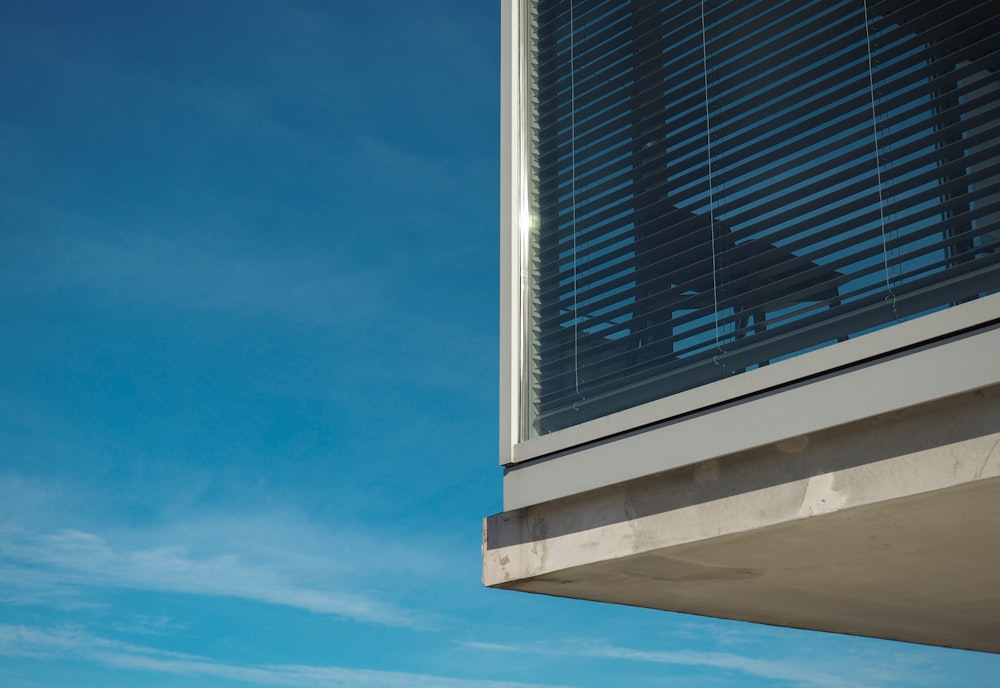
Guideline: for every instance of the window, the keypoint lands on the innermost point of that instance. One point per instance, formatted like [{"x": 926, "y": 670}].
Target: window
[{"x": 715, "y": 186}]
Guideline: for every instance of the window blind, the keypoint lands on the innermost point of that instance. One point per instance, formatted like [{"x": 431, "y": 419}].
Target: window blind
[{"x": 720, "y": 185}]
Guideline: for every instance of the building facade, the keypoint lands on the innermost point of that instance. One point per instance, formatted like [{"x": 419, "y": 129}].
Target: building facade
[{"x": 750, "y": 357}]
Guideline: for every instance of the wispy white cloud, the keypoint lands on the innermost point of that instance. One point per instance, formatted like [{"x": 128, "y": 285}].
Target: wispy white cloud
[
  {"x": 802, "y": 674},
  {"x": 802, "y": 670},
  {"x": 214, "y": 270},
  {"x": 50, "y": 556},
  {"x": 58, "y": 566},
  {"x": 74, "y": 643}
]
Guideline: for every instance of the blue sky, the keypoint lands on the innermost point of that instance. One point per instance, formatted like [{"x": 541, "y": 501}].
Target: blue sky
[{"x": 248, "y": 369}]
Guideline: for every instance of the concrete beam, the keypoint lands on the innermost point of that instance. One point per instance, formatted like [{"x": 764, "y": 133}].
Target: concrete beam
[{"x": 886, "y": 527}]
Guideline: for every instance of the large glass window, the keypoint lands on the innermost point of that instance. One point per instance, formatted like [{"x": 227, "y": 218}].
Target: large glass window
[{"x": 720, "y": 185}]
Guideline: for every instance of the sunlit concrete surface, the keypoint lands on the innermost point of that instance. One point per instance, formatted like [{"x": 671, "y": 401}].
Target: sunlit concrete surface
[{"x": 887, "y": 526}]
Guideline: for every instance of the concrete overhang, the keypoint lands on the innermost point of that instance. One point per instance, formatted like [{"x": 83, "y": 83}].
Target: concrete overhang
[{"x": 888, "y": 526}]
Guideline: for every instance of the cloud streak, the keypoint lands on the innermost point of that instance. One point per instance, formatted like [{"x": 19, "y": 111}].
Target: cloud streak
[
  {"x": 209, "y": 271},
  {"x": 777, "y": 670},
  {"x": 805, "y": 672},
  {"x": 71, "y": 643},
  {"x": 52, "y": 566},
  {"x": 49, "y": 556}
]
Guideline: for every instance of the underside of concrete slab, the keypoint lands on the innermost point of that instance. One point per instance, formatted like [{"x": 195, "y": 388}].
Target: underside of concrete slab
[{"x": 887, "y": 527}]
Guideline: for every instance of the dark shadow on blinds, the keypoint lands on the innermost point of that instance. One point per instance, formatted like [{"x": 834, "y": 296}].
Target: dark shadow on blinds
[{"x": 722, "y": 185}]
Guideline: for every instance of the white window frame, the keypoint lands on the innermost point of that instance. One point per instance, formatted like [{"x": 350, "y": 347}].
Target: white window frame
[{"x": 584, "y": 445}]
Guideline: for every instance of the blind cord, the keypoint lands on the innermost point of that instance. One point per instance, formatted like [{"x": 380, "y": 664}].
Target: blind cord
[
  {"x": 711, "y": 186},
  {"x": 878, "y": 164}
]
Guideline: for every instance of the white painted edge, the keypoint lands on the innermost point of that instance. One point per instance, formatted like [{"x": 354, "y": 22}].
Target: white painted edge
[
  {"x": 853, "y": 351},
  {"x": 509, "y": 260},
  {"x": 923, "y": 375}
]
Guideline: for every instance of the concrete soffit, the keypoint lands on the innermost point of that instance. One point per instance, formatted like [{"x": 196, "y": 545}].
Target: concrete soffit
[
  {"x": 931, "y": 447},
  {"x": 823, "y": 533}
]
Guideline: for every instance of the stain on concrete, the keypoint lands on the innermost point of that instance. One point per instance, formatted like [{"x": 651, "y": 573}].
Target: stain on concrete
[{"x": 821, "y": 496}]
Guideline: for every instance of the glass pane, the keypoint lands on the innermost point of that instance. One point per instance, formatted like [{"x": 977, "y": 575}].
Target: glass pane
[{"x": 717, "y": 186}]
